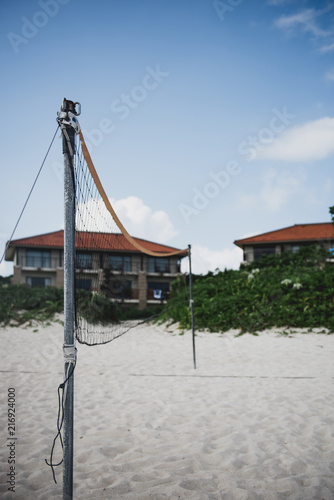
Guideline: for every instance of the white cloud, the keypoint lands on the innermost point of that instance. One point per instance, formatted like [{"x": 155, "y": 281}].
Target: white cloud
[
  {"x": 137, "y": 218},
  {"x": 329, "y": 76},
  {"x": 246, "y": 201},
  {"x": 204, "y": 259},
  {"x": 326, "y": 48},
  {"x": 278, "y": 187},
  {"x": 306, "y": 20},
  {"x": 6, "y": 268},
  {"x": 279, "y": 2},
  {"x": 309, "y": 142},
  {"x": 141, "y": 221},
  {"x": 328, "y": 187},
  {"x": 249, "y": 235}
]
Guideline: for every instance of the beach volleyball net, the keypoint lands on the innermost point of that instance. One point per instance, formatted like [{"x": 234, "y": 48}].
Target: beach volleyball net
[
  {"x": 116, "y": 275},
  {"x": 106, "y": 270}
]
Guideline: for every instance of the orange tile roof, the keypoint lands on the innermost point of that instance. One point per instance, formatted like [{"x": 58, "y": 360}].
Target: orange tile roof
[
  {"x": 298, "y": 232},
  {"x": 90, "y": 241}
]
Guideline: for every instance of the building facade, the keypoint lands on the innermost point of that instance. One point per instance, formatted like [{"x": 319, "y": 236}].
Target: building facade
[
  {"x": 287, "y": 239},
  {"x": 105, "y": 263}
]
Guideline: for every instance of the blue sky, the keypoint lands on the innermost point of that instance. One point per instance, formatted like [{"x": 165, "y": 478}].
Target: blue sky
[{"x": 207, "y": 120}]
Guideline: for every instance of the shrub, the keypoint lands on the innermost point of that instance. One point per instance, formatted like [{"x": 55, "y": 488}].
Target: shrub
[
  {"x": 289, "y": 290},
  {"x": 22, "y": 303}
]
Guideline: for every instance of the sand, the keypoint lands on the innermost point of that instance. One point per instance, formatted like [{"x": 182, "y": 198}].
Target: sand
[{"x": 254, "y": 421}]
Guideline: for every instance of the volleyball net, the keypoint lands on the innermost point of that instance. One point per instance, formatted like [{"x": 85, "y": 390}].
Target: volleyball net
[
  {"x": 107, "y": 271},
  {"x": 119, "y": 278}
]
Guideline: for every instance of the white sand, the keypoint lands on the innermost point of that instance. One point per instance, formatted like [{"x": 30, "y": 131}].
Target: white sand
[{"x": 254, "y": 421}]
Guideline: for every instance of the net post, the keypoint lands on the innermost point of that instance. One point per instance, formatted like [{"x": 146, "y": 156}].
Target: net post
[
  {"x": 192, "y": 306},
  {"x": 69, "y": 302}
]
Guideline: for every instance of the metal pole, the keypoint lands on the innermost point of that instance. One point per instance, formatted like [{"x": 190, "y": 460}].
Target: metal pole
[
  {"x": 69, "y": 305},
  {"x": 192, "y": 306}
]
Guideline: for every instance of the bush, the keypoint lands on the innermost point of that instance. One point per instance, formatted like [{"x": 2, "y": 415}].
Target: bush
[
  {"x": 22, "y": 303},
  {"x": 287, "y": 290}
]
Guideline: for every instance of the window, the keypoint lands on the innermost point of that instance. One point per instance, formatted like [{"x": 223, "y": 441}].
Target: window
[
  {"x": 155, "y": 285},
  {"x": 119, "y": 289},
  {"x": 83, "y": 260},
  {"x": 295, "y": 248},
  {"x": 83, "y": 284},
  {"x": 120, "y": 263},
  {"x": 260, "y": 251},
  {"x": 38, "y": 258},
  {"x": 36, "y": 281},
  {"x": 332, "y": 251},
  {"x": 158, "y": 265}
]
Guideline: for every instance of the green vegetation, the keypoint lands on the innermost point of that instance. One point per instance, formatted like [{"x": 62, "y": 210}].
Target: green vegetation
[
  {"x": 331, "y": 211},
  {"x": 287, "y": 290},
  {"x": 21, "y": 304},
  {"x": 97, "y": 308},
  {"x": 5, "y": 280}
]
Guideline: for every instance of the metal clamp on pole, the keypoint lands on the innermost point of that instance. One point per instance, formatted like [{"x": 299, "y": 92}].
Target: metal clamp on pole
[
  {"x": 70, "y": 353},
  {"x": 68, "y": 113}
]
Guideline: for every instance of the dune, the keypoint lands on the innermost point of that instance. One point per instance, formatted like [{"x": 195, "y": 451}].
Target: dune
[{"x": 254, "y": 421}]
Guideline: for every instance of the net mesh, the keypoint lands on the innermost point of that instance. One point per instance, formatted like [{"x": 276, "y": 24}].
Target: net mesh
[{"x": 119, "y": 278}]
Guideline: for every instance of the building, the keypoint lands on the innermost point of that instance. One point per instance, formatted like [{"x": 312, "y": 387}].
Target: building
[
  {"x": 105, "y": 262},
  {"x": 287, "y": 239}
]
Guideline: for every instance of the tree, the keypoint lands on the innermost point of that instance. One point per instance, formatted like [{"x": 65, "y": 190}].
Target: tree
[
  {"x": 331, "y": 211},
  {"x": 106, "y": 283}
]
